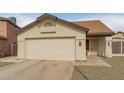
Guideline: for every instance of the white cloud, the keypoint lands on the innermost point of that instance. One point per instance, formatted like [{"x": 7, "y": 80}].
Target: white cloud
[
  {"x": 23, "y": 20},
  {"x": 115, "y": 22}
]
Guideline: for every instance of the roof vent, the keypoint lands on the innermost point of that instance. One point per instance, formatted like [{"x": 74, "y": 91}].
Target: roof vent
[{"x": 12, "y": 19}]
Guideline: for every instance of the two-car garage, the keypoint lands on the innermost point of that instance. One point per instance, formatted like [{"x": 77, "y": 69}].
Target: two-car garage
[{"x": 50, "y": 49}]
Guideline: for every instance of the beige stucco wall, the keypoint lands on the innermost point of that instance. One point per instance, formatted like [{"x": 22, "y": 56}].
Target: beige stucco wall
[
  {"x": 60, "y": 30},
  {"x": 108, "y": 51},
  {"x": 81, "y": 50},
  {"x": 102, "y": 46}
]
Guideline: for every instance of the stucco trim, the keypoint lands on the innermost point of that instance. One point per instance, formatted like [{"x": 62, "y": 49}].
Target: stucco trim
[{"x": 50, "y": 37}]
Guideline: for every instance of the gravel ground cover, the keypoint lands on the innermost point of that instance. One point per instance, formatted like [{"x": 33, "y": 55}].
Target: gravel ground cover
[{"x": 116, "y": 72}]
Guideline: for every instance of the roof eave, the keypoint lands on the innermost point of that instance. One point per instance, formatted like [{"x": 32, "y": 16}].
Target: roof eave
[{"x": 100, "y": 34}]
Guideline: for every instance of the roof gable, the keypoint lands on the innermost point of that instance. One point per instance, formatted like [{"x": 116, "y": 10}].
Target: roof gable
[
  {"x": 118, "y": 35},
  {"x": 39, "y": 19}
]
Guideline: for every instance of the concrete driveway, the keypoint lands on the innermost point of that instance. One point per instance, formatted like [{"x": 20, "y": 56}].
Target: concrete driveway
[
  {"x": 94, "y": 61},
  {"x": 36, "y": 70}
]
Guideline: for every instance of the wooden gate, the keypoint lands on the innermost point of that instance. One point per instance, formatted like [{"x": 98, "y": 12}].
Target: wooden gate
[{"x": 13, "y": 49}]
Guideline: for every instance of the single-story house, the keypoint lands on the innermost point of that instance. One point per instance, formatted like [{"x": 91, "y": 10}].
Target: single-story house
[
  {"x": 52, "y": 38},
  {"x": 118, "y": 44}
]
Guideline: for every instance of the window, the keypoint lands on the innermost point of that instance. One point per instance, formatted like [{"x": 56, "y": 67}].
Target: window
[{"x": 48, "y": 24}]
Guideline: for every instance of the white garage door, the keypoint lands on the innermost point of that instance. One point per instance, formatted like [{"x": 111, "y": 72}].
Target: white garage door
[{"x": 51, "y": 49}]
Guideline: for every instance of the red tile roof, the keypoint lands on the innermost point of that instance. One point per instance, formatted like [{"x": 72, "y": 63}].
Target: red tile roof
[
  {"x": 96, "y": 28},
  {"x": 93, "y": 28}
]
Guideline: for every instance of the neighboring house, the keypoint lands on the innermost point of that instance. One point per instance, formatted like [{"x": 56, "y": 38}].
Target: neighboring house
[
  {"x": 51, "y": 38},
  {"x": 8, "y": 36},
  {"x": 118, "y": 44}
]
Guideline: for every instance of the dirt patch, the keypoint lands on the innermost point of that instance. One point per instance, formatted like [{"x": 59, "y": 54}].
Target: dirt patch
[
  {"x": 2, "y": 64},
  {"x": 116, "y": 72}
]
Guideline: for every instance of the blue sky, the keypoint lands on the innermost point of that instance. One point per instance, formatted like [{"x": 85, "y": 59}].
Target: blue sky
[{"x": 113, "y": 20}]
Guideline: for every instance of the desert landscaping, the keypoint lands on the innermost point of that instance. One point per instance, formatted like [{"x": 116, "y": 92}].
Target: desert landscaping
[{"x": 115, "y": 72}]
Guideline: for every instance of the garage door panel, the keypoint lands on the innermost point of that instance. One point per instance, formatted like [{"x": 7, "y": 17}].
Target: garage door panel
[{"x": 50, "y": 49}]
